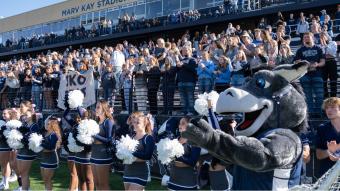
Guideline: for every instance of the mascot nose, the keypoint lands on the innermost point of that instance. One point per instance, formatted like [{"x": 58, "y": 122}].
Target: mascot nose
[{"x": 233, "y": 92}]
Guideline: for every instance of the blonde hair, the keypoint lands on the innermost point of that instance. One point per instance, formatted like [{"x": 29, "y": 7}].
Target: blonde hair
[
  {"x": 147, "y": 122},
  {"x": 329, "y": 102},
  {"x": 53, "y": 126}
]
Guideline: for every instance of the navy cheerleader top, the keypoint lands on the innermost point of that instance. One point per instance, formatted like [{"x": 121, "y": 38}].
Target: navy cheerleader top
[
  {"x": 69, "y": 119},
  {"x": 145, "y": 148},
  {"x": 105, "y": 131},
  {"x": 190, "y": 156},
  {"x": 50, "y": 141}
]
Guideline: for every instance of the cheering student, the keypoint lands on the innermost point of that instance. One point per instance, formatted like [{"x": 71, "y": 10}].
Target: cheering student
[
  {"x": 136, "y": 174},
  {"x": 5, "y": 151},
  {"x": 102, "y": 152},
  {"x": 25, "y": 156},
  {"x": 183, "y": 174},
  {"x": 49, "y": 157}
]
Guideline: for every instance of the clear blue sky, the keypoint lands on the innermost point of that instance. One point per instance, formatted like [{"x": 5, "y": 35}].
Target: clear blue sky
[{"x": 14, "y": 7}]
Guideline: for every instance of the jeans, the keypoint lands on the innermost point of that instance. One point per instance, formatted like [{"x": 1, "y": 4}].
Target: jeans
[
  {"x": 186, "y": 91},
  {"x": 36, "y": 92},
  {"x": 330, "y": 72},
  {"x": 313, "y": 89},
  {"x": 237, "y": 80},
  {"x": 117, "y": 72},
  {"x": 141, "y": 97},
  {"x": 26, "y": 93},
  {"x": 168, "y": 99},
  {"x": 205, "y": 85},
  {"x": 108, "y": 93}
]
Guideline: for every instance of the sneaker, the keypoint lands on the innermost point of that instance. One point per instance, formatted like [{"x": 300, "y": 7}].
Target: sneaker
[
  {"x": 13, "y": 178},
  {"x": 18, "y": 189},
  {"x": 4, "y": 186}
]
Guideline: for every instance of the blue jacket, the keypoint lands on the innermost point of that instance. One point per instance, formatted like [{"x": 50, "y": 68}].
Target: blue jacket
[
  {"x": 208, "y": 71},
  {"x": 224, "y": 76}
]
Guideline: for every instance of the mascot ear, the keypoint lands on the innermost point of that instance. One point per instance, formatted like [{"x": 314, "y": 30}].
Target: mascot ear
[{"x": 292, "y": 72}]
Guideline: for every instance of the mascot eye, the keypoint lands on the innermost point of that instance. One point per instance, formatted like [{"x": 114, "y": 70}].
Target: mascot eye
[{"x": 262, "y": 83}]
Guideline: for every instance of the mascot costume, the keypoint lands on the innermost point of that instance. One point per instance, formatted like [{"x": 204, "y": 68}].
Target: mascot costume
[{"x": 265, "y": 153}]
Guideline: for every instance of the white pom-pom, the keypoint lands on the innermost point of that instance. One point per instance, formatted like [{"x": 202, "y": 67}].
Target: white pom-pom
[
  {"x": 2, "y": 123},
  {"x": 14, "y": 138},
  {"x": 125, "y": 147},
  {"x": 34, "y": 142},
  {"x": 72, "y": 145},
  {"x": 13, "y": 124},
  {"x": 168, "y": 149},
  {"x": 75, "y": 99},
  {"x": 86, "y": 130},
  {"x": 201, "y": 104},
  {"x": 213, "y": 97}
]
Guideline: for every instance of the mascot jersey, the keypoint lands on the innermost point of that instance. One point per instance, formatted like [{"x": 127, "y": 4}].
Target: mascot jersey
[{"x": 265, "y": 152}]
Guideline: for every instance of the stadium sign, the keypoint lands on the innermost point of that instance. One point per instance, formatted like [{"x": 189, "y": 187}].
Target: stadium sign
[{"x": 95, "y": 5}]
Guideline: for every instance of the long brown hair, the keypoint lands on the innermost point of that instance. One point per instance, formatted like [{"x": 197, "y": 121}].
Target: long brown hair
[
  {"x": 147, "y": 122},
  {"x": 53, "y": 126},
  {"x": 105, "y": 108}
]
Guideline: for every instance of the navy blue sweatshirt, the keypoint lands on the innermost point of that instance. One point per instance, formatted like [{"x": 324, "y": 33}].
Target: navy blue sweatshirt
[
  {"x": 145, "y": 148},
  {"x": 187, "y": 72}
]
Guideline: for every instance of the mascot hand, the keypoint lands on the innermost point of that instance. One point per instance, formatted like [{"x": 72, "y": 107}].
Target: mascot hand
[{"x": 198, "y": 132}]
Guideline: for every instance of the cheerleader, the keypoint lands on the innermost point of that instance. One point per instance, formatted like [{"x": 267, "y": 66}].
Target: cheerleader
[
  {"x": 49, "y": 156},
  {"x": 82, "y": 161},
  {"x": 136, "y": 174},
  {"x": 101, "y": 158},
  {"x": 183, "y": 175},
  {"x": 219, "y": 177},
  {"x": 25, "y": 156},
  {"x": 72, "y": 122},
  {"x": 5, "y": 151}
]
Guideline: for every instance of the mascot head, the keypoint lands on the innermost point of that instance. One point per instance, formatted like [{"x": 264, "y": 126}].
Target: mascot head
[{"x": 267, "y": 100}]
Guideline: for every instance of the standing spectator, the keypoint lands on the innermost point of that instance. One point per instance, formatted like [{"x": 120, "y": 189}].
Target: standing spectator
[
  {"x": 258, "y": 39},
  {"x": 262, "y": 24},
  {"x": 223, "y": 74},
  {"x": 248, "y": 47},
  {"x": 260, "y": 60},
  {"x": 126, "y": 84},
  {"x": 47, "y": 88},
  {"x": 328, "y": 136},
  {"x": 328, "y": 24},
  {"x": 108, "y": 83},
  {"x": 37, "y": 83},
  {"x": 240, "y": 65},
  {"x": 160, "y": 52},
  {"x": 141, "y": 90},
  {"x": 302, "y": 28},
  {"x": 109, "y": 26},
  {"x": 26, "y": 84},
  {"x": 337, "y": 19},
  {"x": 238, "y": 30},
  {"x": 291, "y": 23},
  {"x": 117, "y": 61},
  {"x": 329, "y": 49},
  {"x": 205, "y": 73},
  {"x": 3, "y": 97},
  {"x": 230, "y": 30},
  {"x": 186, "y": 77},
  {"x": 316, "y": 30},
  {"x": 312, "y": 82},
  {"x": 168, "y": 73},
  {"x": 153, "y": 81}
]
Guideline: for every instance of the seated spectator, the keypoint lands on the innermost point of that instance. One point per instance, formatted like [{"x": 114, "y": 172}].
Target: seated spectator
[
  {"x": 205, "y": 73},
  {"x": 328, "y": 136},
  {"x": 285, "y": 55},
  {"x": 223, "y": 74},
  {"x": 258, "y": 38}
]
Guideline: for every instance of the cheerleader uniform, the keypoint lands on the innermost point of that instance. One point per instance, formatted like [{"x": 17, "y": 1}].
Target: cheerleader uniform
[
  {"x": 138, "y": 172},
  {"x": 219, "y": 180},
  {"x": 184, "y": 176},
  {"x": 25, "y": 153},
  {"x": 3, "y": 142},
  {"x": 101, "y": 155},
  {"x": 72, "y": 124},
  {"x": 49, "y": 156}
]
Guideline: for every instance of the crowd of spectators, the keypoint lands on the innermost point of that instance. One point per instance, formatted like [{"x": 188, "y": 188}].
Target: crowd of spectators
[
  {"x": 153, "y": 69},
  {"x": 127, "y": 23}
]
